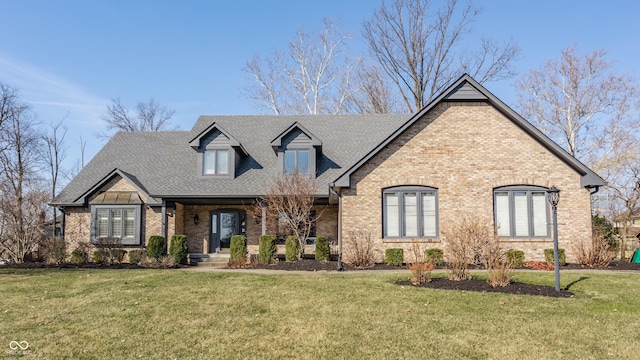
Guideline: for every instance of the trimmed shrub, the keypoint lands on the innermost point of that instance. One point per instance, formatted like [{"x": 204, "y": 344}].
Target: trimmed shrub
[
  {"x": 79, "y": 256},
  {"x": 116, "y": 255},
  {"x": 136, "y": 256},
  {"x": 267, "y": 249},
  {"x": 548, "y": 257},
  {"x": 238, "y": 250},
  {"x": 98, "y": 257},
  {"x": 434, "y": 256},
  {"x": 178, "y": 249},
  {"x": 322, "y": 248},
  {"x": 292, "y": 248},
  {"x": 394, "y": 257},
  {"x": 155, "y": 247},
  {"x": 516, "y": 257}
]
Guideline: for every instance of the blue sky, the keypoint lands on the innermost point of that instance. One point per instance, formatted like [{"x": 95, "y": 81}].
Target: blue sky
[{"x": 69, "y": 58}]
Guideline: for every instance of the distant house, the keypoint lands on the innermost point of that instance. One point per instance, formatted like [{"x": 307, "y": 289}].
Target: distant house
[{"x": 401, "y": 178}]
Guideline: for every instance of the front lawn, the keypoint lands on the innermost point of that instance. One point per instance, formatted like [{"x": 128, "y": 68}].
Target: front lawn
[{"x": 178, "y": 314}]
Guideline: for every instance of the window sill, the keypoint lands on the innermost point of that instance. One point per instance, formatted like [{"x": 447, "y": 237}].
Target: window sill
[{"x": 411, "y": 240}]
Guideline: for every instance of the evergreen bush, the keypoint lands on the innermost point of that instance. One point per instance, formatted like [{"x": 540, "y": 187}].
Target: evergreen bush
[
  {"x": 155, "y": 247},
  {"x": 322, "y": 248},
  {"x": 178, "y": 249},
  {"x": 266, "y": 249},
  {"x": 394, "y": 257}
]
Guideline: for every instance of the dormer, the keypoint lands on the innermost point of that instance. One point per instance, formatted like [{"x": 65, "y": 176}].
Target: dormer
[
  {"x": 218, "y": 152},
  {"x": 298, "y": 150}
]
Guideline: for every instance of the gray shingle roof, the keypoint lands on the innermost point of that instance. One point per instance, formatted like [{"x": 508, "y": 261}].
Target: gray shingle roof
[{"x": 165, "y": 165}]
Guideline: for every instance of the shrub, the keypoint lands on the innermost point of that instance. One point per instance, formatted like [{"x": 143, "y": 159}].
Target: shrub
[
  {"x": 322, "y": 248},
  {"x": 360, "y": 249},
  {"x": 594, "y": 252},
  {"x": 516, "y": 257},
  {"x": 178, "y": 249},
  {"x": 238, "y": 251},
  {"x": 155, "y": 247},
  {"x": 136, "y": 256},
  {"x": 98, "y": 257},
  {"x": 79, "y": 256},
  {"x": 434, "y": 256},
  {"x": 394, "y": 257},
  {"x": 420, "y": 269},
  {"x": 116, "y": 255},
  {"x": 267, "y": 249},
  {"x": 467, "y": 241},
  {"x": 499, "y": 269},
  {"x": 548, "y": 257},
  {"x": 292, "y": 248},
  {"x": 55, "y": 250},
  {"x": 110, "y": 250}
]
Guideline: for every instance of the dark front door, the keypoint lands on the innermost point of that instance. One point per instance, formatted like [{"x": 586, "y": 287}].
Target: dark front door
[{"x": 225, "y": 224}]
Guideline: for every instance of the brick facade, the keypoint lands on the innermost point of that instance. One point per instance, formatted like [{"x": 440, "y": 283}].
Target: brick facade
[{"x": 465, "y": 150}]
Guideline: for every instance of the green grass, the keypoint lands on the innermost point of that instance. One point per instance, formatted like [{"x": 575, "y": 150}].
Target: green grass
[{"x": 173, "y": 314}]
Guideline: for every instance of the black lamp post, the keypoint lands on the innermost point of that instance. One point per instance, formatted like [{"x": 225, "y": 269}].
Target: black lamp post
[{"x": 554, "y": 197}]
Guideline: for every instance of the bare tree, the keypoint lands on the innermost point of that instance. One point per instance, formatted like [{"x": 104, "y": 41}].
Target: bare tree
[
  {"x": 312, "y": 77},
  {"x": 420, "y": 49},
  {"x": 10, "y": 105},
  {"x": 23, "y": 198},
  {"x": 149, "y": 116},
  {"x": 53, "y": 154},
  {"x": 583, "y": 105},
  {"x": 625, "y": 187},
  {"x": 291, "y": 200},
  {"x": 373, "y": 94}
]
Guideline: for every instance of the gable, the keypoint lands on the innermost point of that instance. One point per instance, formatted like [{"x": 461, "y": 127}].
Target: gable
[{"x": 468, "y": 90}]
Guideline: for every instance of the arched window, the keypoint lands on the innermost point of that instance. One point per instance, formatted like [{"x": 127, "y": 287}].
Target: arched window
[
  {"x": 521, "y": 211},
  {"x": 410, "y": 212}
]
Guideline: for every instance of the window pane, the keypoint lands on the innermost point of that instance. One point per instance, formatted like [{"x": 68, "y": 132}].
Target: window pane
[
  {"x": 102, "y": 223},
  {"x": 289, "y": 161},
  {"x": 502, "y": 214},
  {"x": 521, "y": 213},
  {"x": 429, "y": 214},
  {"x": 222, "y": 162},
  {"x": 129, "y": 222},
  {"x": 410, "y": 214},
  {"x": 391, "y": 215},
  {"x": 539, "y": 214},
  {"x": 209, "y": 166},
  {"x": 116, "y": 223},
  {"x": 303, "y": 161}
]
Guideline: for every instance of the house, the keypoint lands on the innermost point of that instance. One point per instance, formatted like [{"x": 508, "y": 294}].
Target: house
[{"x": 400, "y": 178}]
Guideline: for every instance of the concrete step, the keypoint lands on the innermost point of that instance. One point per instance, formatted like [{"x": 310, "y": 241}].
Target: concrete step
[{"x": 216, "y": 260}]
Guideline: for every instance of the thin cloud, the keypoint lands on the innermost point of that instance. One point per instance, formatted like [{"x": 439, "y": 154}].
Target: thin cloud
[{"x": 50, "y": 93}]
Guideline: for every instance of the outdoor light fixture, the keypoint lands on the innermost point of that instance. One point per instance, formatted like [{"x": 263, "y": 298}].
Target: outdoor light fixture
[
  {"x": 553, "y": 194},
  {"x": 196, "y": 219}
]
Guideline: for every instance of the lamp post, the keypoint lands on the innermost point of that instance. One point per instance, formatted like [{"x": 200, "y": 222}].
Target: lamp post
[{"x": 554, "y": 197}]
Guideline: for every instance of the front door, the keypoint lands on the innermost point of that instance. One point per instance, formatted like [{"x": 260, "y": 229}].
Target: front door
[{"x": 225, "y": 224}]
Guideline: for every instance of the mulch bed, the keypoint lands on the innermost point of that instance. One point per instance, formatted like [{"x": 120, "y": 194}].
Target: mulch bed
[{"x": 483, "y": 286}]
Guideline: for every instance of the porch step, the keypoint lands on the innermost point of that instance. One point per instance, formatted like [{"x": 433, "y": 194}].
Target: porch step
[{"x": 216, "y": 260}]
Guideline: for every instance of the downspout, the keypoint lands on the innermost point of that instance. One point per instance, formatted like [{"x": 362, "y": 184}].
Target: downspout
[
  {"x": 63, "y": 222},
  {"x": 597, "y": 189},
  {"x": 164, "y": 221},
  {"x": 339, "y": 195}
]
